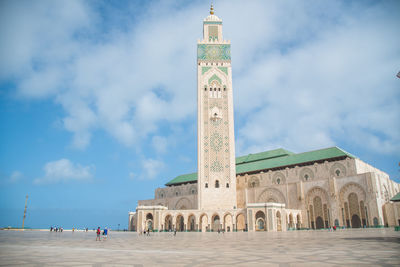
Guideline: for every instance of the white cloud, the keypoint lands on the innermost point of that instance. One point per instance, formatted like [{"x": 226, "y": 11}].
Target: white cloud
[
  {"x": 306, "y": 75},
  {"x": 151, "y": 169},
  {"x": 64, "y": 170},
  {"x": 15, "y": 177},
  {"x": 160, "y": 144}
]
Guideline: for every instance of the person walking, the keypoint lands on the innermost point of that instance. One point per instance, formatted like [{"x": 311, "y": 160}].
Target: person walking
[
  {"x": 105, "y": 232},
  {"x": 98, "y": 232}
]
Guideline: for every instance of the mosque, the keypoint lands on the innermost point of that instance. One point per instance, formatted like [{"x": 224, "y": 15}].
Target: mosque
[{"x": 275, "y": 190}]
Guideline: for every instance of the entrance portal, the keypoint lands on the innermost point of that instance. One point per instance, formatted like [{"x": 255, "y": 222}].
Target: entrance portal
[
  {"x": 180, "y": 226},
  {"x": 191, "y": 223},
  {"x": 215, "y": 223},
  {"x": 319, "y": 223},
  {"x": 355, "y": 221},
  {"x": 240, "y": 223}
]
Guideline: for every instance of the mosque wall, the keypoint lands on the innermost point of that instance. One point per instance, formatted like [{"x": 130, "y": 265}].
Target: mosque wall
[{"x": 346, "y": 192}]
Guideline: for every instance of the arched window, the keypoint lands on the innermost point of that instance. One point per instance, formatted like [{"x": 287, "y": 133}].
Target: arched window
[
  {"x": 216, "y": 184},
  {"x": 227, "y": 185},
  {"x": 206, "y": 185}
]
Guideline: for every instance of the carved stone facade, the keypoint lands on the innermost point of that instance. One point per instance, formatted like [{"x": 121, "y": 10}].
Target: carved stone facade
[
  {"x": 325, "y": 199},
  {"x": 270, "y": 191}
]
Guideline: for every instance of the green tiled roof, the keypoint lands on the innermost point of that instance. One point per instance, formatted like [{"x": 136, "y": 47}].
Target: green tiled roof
[
  {"x": 277, "y": 158},
  {"x": 184, "y": 178},
  {"x": 294, "y": 159},
  {"x": 263, "y": 155},
  {"x": 396, "y": 198}
]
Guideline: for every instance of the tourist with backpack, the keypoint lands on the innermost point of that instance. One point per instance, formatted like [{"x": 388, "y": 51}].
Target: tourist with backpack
[{"x": 98, "y": 232}]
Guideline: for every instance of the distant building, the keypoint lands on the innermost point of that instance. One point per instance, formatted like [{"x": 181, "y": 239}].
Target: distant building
[{"x": 274, "y": 190}]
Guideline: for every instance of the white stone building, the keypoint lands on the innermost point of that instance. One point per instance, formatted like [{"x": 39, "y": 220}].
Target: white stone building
[{"x": 274, "y": 190}]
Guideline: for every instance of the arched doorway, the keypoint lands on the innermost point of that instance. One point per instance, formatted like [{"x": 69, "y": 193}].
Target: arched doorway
[
  {"x": 355, "y": 221},
  {"x": 278, "y": 221},
  {"x": 291, "y": 223},
  {"x": 192, "y": 223},
  {"x": 298, "y": 225},
  {"x": 228, "y": 222},
  {"x": 180, "y": 225},
  {"x": 168, "y": 226},
  {"x": 149, "y": 221},
  {"x": 240, "y": 223},
  {"x": 260, "y": 221},
  {"x": 376, "y": 222},
  {"x": 354, "y": 209},
  {"x": 319, "y": 222},
  {"x": 203, "y": 223},
  {"x": 215, "y": 223},
  {"x": 318, "y": 213}
]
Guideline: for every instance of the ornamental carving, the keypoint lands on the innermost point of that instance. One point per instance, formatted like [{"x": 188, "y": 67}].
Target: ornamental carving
[
  {"x": 216, "y": 166},
  {"x": 306, "y": 174},
  {"x": 183, "y": 204},
  {"x": 278, "y": 178},
  {"x": 214, "y": 52},
  {"x": 193, "y": 190},
  {"x": 161, "y": 194},
  {"x": 316, "y": 192},
  {"x": 349, "y": 188},
  {"x": 271, "y": 194},
  {"x": 254, "y": 182},
  {"x": 337, "y": 170},
  {"x": 216, "y": 142}
]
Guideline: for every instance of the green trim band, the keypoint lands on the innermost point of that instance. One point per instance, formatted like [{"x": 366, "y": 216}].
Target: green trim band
[{"x": 213, "y": 22}]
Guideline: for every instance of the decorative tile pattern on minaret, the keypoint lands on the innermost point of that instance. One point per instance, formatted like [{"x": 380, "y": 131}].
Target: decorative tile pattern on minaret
[{"x": 216, "y": 141}]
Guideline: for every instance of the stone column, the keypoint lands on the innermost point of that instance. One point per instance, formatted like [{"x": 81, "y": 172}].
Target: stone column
[{"x": 250, "y": 220}]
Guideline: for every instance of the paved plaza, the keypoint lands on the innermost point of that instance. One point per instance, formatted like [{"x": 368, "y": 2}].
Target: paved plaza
[{"x": 294, "y": 248}]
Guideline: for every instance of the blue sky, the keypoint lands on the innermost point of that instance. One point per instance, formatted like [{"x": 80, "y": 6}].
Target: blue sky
[{"x": 98, "y": 98}]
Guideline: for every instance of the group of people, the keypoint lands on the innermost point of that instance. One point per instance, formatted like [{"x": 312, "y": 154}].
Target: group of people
[
  {"x": 60, "y": 229},
  {"x": 147, "y": 232},
  {"x": 99, "y": 233},
  {"x": 56, "y": 229}
]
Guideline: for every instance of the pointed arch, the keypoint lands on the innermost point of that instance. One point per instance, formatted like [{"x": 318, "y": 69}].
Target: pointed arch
[
  {"x": 228, "y": 222},
  {"x": 203, "y": 222},
  {"x": 183, "y": 204},
  {"x": 215, "y": 77},
  {"x": 271, "y": 193}
]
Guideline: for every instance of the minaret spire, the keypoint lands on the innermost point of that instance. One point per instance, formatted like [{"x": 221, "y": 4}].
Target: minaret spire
[{"x": 212, "y": 9}]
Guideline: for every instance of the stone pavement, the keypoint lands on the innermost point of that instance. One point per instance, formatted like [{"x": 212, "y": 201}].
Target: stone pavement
[{"x": 295, "y": 248}]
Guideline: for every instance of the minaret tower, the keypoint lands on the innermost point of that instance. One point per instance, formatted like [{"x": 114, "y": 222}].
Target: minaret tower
[{"x": 216, "y": 141}]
